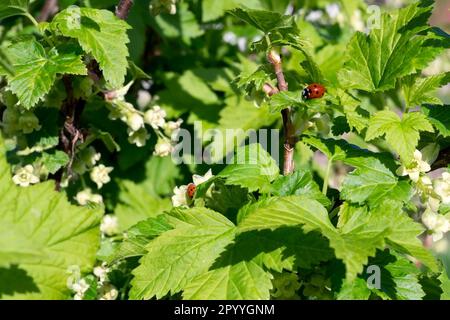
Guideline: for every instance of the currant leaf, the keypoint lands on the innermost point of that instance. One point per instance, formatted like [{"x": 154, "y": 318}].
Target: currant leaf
[
  {"x": 101, "y": 34},
  {"x": 37, "y": 242},
  {"x": 399, "y": 47},
  {"x": 35, "y": 69}
]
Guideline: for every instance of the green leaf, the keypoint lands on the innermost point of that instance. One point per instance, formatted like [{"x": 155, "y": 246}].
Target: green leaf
[
  {"x": 354, "y": 114},
  {"x": 397, "y": 48},
  {"x": 299, "y": 183},
  {"x": 355, "y": 240},
  {"x": 266, "y": 21},
  {"x": 404, "y": 233},
  {"x": 439, "y": 116},
  {"x": 341, "y": 150},
  {"x": 252, "y": 168},
  {"x": 287, "y": 211},
  {"x": 41, "y": 235},
  {"x": 371, "y": 182},
  {"x": 401, "y": 134},
  {"x": 354, "y": 290},
  {"x": 333, "y": 149},
  {"x": 401, "y": 232},
  {"x": 352, "y": 245},
  {"x": 188, "y": 92},
  {"x": 213, "y": 9},
  {"x": 136, "y": 204},
  {"x": 101, "y": 34},
  {"x": 35, "y": 69},
  {"x": 105, "y": 137},
  {"x": 138, "y": 237},
  {"x": 445, "y": 286},
  {"x": 5, "y": 65},
  {"x": 10, "y": 8},
  {"x": 181, "y": 25},
  {"x": 242, "y": 116},
  {"x": 286, "y": 99},
  {"x": 249, "y": 80},
  {"x": 178, "y": 255},
  {"x": 55, "y": 161},
  {"x": 309, "y": 64},
  {"x": 399, "y": 277},
  {"x": 237, "y": 274},
  {"x": 161, "y": 174},
  {"x": 285, "y": 248},
  {"x": 226, "y": 199},
  {"x": 137, "y": 72},
  {"x": 245, "y": 280},
  {"x": 421, "y": 90}
]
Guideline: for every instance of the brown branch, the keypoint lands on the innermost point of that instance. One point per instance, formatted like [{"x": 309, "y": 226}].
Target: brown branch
[
  {"x": 69, "y": 134},
  {"x": 269, "y": 90},
  {"x": 49, "y": 9},
  {"x": 124, "y": 8},
  {"x": 288, "y": 127}
]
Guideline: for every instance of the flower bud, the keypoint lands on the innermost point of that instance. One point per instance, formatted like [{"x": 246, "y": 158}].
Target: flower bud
[
  {"x": 28, "y": 122},
  {"x": 135, "y": 121},
  {"x": 163, "y": 148},
  {"x": 139, "y": 138},
  {"x": 109, "y": 225},
  {"x": 155, "y": 117}
]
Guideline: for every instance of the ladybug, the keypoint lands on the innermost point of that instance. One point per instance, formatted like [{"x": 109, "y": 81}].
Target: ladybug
[
  {"x": 313, "y": 91},
  {"x": 191, "y": 190}
]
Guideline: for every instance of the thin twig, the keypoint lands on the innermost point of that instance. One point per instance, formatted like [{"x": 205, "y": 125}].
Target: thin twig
[
  {"x": 288, "y": 127},
  {"x": 124, "y": 8},
  {"x": 269, "y": 90},
  {"x": 49, "y": 9}
]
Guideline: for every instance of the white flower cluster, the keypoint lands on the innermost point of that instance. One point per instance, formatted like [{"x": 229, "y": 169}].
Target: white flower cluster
[
  {"x": 136, "y": 120},
  {"x": 167, "y": 131},
  {"x": 25, "y": 176},
  {"x": 181, "y": 197},
  {"x": 105, "y": 290},
  {"x": 100, "y": 175},
  {"x": 433, "y": 194},
  {"x": 415, "y": 168},
  {"x": 439, "y": 194},
  {"x": 75, "y": 283},
  {"x": 436, "y": 223},
  {"x": 109, "y": 225},
  {"x": 86, "y": 196},
  {"x": 125, "y": 111},
  {"x": 87, "y": 161},
  {"x": 101, "y": 272}
]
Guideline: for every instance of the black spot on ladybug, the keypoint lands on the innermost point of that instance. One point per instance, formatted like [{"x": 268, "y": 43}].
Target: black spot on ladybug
[{"x": 306, "y": 93}]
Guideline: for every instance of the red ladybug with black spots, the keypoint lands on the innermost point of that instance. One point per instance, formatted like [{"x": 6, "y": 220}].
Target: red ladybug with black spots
[
  {"x": 313, "y": 91},
  {"x": 191, "y": 190}
]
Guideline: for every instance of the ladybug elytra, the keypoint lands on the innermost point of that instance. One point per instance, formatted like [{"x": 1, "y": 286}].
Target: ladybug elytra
[
  {"x": 191, "y": 190},
  {"x": 313, "y": 91}
]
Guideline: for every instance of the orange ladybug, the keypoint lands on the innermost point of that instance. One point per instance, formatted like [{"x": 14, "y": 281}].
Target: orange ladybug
[
  {"x": 191, "y": 190},
  {"x": 313, "y": 91}
]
